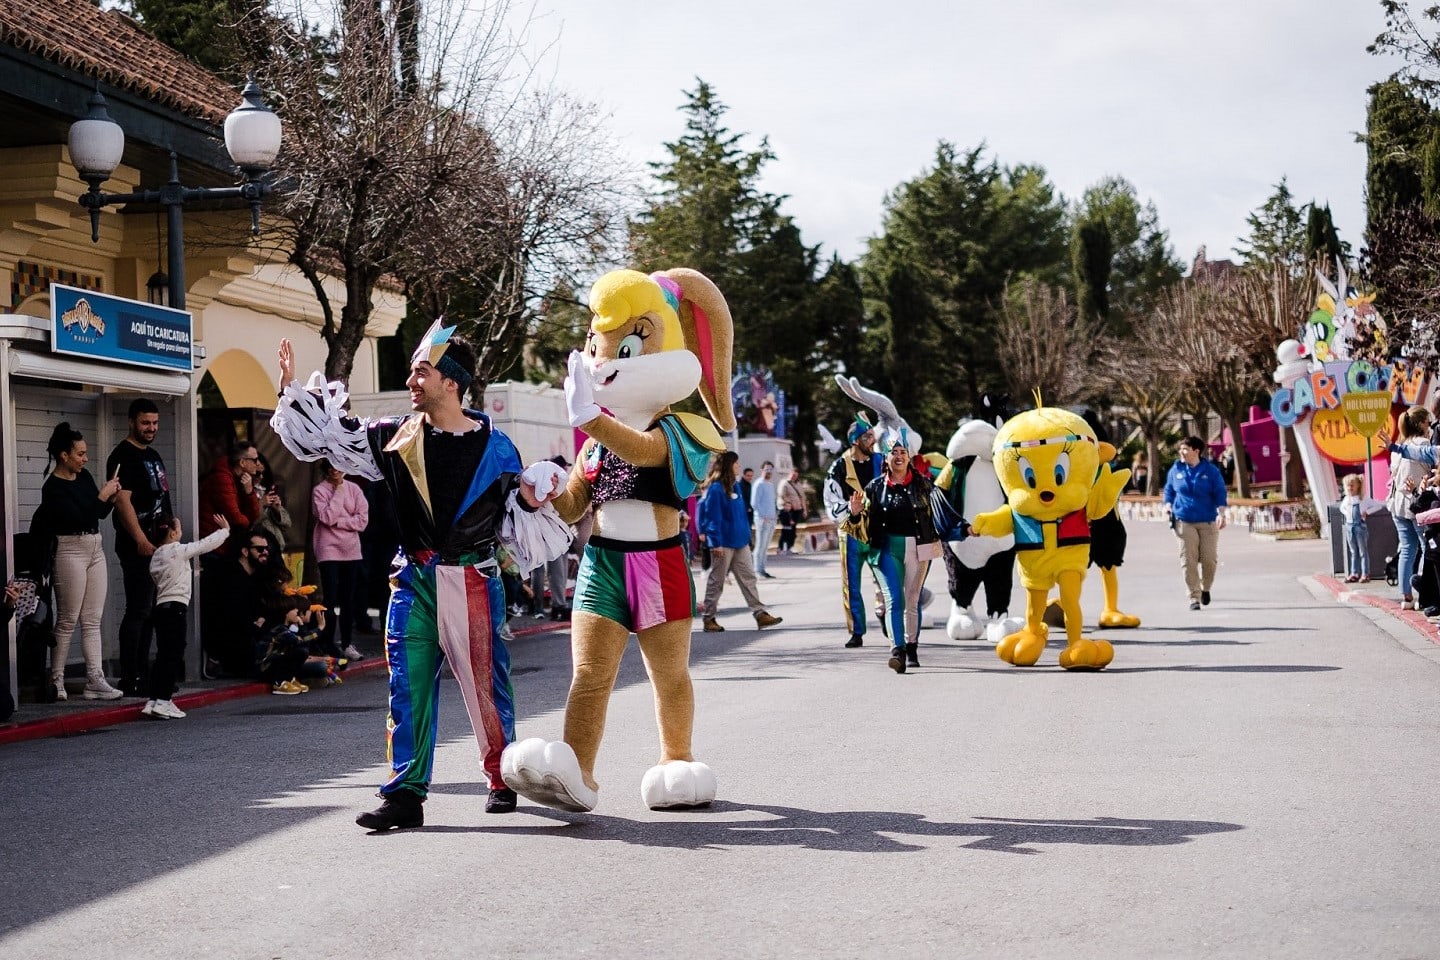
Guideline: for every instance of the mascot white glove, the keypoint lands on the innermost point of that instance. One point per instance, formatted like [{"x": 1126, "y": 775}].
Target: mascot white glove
[
  {"x": 546, "y": 477},
  {"x": 580, "y": 403}
]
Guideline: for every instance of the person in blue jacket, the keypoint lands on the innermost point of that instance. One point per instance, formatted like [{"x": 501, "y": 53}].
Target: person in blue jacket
[
  {"x": 725, "y": 528},
  {"x": 1195, "y": 497}
]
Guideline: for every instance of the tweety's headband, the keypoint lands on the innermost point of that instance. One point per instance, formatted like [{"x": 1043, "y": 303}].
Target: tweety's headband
[
  {"x": 432, "y": 349},
  {"x": 1066, "y": 438}
]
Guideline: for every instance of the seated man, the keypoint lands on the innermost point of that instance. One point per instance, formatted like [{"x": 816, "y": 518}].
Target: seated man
[{"x": 234, "y": 591}]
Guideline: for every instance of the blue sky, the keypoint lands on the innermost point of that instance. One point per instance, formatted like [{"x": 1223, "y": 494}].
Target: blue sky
[{"x": 1202, "y": 105}]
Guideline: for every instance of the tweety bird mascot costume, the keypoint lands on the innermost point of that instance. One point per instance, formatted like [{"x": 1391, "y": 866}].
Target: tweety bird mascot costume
[
  {"x": 1057, "y": 479},
  {"x": 652, "y": 341}
]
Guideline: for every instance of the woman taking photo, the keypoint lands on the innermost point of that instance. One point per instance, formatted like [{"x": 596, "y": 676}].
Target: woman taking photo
[
  {"x": 893, "y": 517},
  {"x": 725, "y": 529},
  {"x": 71, "y": 508}
]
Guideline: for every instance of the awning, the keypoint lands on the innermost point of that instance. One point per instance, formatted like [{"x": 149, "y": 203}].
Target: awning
[{"x": 45, "y": 366}]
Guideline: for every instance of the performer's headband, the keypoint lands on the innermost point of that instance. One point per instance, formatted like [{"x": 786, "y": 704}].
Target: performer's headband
[
  {"x": 858, "y": 429},
  {"x": 432, "y": 349}
]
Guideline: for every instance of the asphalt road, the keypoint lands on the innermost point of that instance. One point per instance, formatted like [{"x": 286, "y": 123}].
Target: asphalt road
[{"x": 1258, "y": 779}]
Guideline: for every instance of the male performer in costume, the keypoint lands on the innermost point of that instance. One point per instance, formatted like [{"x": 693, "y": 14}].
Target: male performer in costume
[
  {"x": 850, "y": 472},
  {"x": 458, "y": 489}
]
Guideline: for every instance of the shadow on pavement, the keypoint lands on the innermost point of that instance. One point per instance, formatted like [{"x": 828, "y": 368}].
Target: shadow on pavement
[
  {"x": 852, "y": 831},
  {"x": 1231, "y": 668},
  {"x": 93, "y": 814},
  {"x": 1219, "y": 629}
]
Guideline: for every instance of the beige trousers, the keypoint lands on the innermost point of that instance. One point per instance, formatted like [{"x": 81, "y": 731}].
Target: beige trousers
[
  {"x": 732, "y": 560},
  {"x": 80, "y": 582},
  {"x": 1199, "y": 543}
]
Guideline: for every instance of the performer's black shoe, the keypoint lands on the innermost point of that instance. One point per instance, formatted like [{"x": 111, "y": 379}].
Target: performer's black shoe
[
  {"x": 897, "y": 659},
  {"x": 855, "y": 641},
  {"x": 1205, "y": 597},
  {"x": 502, "y": 800},
  {"x": 912, "y": 658},
  {"x": 400, "y": 810}
]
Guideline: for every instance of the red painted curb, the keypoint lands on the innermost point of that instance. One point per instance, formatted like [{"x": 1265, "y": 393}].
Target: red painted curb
[
  {"x": 1414, "y": 618},
  {"x": 96, "y": 717}
]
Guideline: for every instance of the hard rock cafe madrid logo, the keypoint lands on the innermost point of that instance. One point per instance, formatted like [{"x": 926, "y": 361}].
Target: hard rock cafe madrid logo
[{"x": 84, "y": 324}]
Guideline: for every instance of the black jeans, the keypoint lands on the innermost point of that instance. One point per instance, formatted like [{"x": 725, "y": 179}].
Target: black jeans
[
  {"x": 135, "y": 626},
  {"x": 340, "y": 582},
  {"x": 788, "y": 519},
  {"x": 169, "y": 622}
]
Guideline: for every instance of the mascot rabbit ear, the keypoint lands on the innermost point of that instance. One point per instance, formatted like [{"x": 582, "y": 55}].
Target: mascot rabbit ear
[{"x": 709, "y": 334}]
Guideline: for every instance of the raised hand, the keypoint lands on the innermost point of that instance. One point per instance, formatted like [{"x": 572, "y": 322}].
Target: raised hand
[
  {"x": 580, "y": 405},
  {"x": 287, "y": 363}
]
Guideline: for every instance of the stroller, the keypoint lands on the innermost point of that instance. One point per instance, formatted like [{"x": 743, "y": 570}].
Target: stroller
[{"x": 1426, "y": 581}]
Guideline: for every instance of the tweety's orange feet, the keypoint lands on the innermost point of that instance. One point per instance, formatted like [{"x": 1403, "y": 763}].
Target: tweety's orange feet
[
  {"x": 1022, "y": 648},
  {"x": 1087, "y": 655},
  {"x": 1114, "y": 618}
]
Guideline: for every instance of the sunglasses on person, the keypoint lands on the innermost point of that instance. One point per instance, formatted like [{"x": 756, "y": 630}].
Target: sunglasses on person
[{"x": 259, "y": 548}]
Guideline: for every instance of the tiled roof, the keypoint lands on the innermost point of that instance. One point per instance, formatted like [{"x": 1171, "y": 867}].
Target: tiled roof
[{"x": 109, "y": 47}]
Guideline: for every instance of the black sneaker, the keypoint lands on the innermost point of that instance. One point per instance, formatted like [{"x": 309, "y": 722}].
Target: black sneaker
[
  {"x": 400, "y": 810},
  {"x": 1194, "y": 604},
  {"x": 897, "y": 660},
  {"x": 912, "y": 657},
  {"x": 502, "y": 800},
  {"x": 1205, "y": 598},
  {"x": 855, "y": 641}
]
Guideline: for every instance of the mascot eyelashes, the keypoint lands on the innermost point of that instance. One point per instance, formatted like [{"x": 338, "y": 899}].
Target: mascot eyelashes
[{"x": 652, "y": 341}]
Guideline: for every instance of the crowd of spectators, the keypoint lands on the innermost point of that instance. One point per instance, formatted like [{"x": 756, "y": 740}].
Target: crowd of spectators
[{"x": 264, "y": 613}]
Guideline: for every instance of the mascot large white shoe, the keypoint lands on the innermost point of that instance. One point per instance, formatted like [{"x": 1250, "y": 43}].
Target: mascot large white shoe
[{"x": 653, "y": 340}]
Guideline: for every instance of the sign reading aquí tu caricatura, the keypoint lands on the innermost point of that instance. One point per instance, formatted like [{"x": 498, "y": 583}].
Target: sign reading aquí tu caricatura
[{"x": 102, "y": 327}]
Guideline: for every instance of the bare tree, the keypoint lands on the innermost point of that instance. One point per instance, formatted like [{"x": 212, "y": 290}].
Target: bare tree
[
  {"x": 1141, "y": 374},
  {"x": 1269, "y": 306},
  {"x": 419, "y": 148},
  {"x": 1043, "y": 344},
  {"x": 1219, "y": 372},
  {"x": 562, "y": 212}
]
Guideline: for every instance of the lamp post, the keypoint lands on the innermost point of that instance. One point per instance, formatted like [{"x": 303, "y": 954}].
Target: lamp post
[{"x": 252, "y": 136}]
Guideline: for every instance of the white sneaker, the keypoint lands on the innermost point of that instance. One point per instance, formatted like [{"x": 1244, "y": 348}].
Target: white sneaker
[
  {"x": 350, "y": 653},
  {"x": 60, "y": 695},
  {"x": 506, "y": 633},
  {"x": 96, "y": 688},
  {"x": 148, "y": 709},
  {"x": 165, "y": 710}
]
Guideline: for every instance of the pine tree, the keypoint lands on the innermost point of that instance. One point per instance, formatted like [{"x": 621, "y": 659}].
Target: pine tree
[
  {"x": 207, "y": 31},
  {"x": 712, "y": 215},
  {"x": 1277, "y": 232},
  {"x": 1091, "y": 254},
  {"x": 959, "y": 230},
  {"x": 1399, "y": 126},
  {"x": 1321, "y": 238}
]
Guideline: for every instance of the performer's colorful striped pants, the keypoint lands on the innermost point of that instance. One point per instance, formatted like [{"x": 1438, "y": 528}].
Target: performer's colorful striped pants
[
  {"x": 854, "y": 556},
  {"x": 441, "y": 612},
  {"x": 901, "y": 574}
]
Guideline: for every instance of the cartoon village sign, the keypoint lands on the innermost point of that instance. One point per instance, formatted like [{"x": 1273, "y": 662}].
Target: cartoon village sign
[{"x": 1325, "y": 393}]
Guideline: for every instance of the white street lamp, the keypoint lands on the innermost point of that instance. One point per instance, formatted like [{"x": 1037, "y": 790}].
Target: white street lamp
[{"x": 252, "y": 137}]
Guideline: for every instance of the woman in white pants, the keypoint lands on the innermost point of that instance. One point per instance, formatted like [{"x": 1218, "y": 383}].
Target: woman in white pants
[{"x": 71, "y": 508}]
